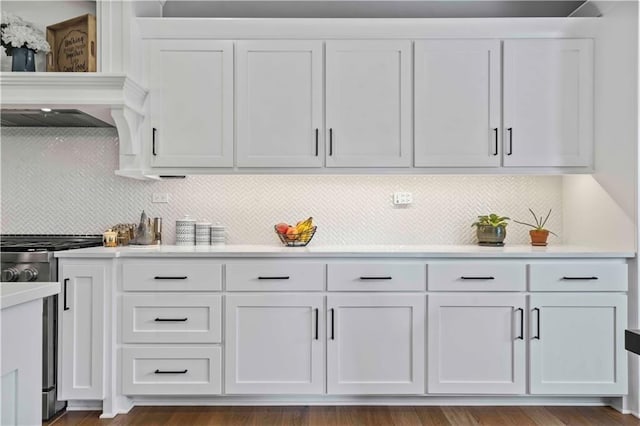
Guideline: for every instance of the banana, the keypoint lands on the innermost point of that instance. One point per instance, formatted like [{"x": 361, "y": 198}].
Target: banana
[{"x": 303, "y": 228}]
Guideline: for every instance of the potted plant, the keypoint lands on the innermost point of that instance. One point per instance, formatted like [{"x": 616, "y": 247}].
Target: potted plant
[
  {"x": 22, "y": 41},
  {"x": 539, "y": 233},
  {"x": 491, "y": 229}
]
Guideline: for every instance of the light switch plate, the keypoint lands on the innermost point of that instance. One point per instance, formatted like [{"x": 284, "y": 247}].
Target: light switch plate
[
  {"x": 402, "y": 198},
  {"x": 160, "y": 197}
]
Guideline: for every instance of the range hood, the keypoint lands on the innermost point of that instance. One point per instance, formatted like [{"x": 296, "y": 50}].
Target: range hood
[
  {"x": 58, "y": 99},
  {"x": 47, "y": 117}
]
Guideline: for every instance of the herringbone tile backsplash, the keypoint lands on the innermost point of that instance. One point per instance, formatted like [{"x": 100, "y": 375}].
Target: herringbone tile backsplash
[{"x": 63, "y": 181}]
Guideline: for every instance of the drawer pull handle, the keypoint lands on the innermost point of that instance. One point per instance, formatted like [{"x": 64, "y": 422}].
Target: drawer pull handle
[
  {"x": 274, "y": 278},
  {"x": 317, "y": 315},
  {"x": 184, "y": 277},
  {"x": 521, "y": 336},
  {"x": 375, "y": 278},
  {"x": 66, "y": 281},
  {"x": 171, "y": 371},
  {"x": 171, "y": 319},
  {"x": 333, "y": 331},
  {"x": 579, "y": 278},
  {"x": 537, "y": 336},
  {"x": 477, "y": 278}
]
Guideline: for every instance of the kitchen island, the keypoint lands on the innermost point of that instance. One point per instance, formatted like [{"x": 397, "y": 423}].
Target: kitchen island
[
  {"x": 386, "y": 325},
  {"x": 21, "y": 362}
]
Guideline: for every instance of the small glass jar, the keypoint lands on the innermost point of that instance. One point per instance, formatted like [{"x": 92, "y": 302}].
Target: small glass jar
[{"x": 110, "y": 238}]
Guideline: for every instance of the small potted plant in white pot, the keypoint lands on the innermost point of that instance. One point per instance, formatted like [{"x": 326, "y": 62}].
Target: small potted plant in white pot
[
  {"x": 22, "y": 41},
  {"x": 539, "y": 233},
  {"x": 491, "y": 229}
]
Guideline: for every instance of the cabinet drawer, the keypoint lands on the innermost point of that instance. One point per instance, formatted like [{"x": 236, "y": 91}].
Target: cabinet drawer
[
  {"x": 171, "y": 275},
  {"x": 275, "y": 276},
  {"x": 170, "y": 318},
  {"x": 476, "y": 276},
  {"x": 377, "y": 277},
  {"x": 163, "y": 370},
  {"x": 578, "y": 276}
]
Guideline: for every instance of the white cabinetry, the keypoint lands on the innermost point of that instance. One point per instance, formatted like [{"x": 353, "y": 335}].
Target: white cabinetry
[
  {"x": 368, "y": 103},
  {"x": 577, "y": 343},
  {"x": 476, "y": 343},
  {"x": 375, "y": 343},
  {"x": 548, "y": 102},
  {"x": 81, "y": 339},
  {"x": 191, "y": 83},
  {"x": 279, "y": 106},
  {"x": 274, "y": 344},
  {"x": 457, "y": 103}
]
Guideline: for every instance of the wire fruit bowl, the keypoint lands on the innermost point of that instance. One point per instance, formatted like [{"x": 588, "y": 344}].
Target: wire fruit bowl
[{"x": 296, "y": 240}]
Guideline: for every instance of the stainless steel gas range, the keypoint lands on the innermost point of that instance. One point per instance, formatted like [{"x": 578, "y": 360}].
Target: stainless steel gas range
[{"x": 31, "y": 258}]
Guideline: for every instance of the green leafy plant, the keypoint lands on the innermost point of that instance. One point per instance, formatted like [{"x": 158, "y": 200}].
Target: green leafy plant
[
  {"x": 539, "y": 222},
  {"x": 491, "y": 220}
]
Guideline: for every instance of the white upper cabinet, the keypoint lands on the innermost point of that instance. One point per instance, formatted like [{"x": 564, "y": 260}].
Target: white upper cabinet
[
  {"x": 457, "y": 103},
  {"x": 191, "y": 84},
  {"x": 548, "y": 102},
  {"x": 279, "y": 103},
  {"x": 368, "y": 103}
]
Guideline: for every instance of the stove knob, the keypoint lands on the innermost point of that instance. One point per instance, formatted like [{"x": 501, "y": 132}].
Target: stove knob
[
  {"x": 29, "y": 274},
  {"x": 10, "y": 274}
]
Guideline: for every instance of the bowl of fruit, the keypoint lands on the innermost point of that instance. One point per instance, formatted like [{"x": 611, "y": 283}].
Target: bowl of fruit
[{"x": 298, "y": 235}]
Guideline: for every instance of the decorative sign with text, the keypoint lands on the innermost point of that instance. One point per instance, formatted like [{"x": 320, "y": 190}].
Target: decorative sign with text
[{"x": 73, "y": 45}]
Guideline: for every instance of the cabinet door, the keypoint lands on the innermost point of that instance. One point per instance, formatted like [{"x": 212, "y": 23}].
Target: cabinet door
[
  {"x": 375, "y": 344},
  {"x": 476, "y": 344},
  {"x": 81, "y": 331},
  {"x": 457, "y": 103},
  {"x": 577, "y": 344},
  {"x": 368, "y": 106},
  {"x": 548, "y": 102},
  {"x": 191, "y": 95},
  {"x": 279, "y": 122},
  {"x": 274, "y": 344}
]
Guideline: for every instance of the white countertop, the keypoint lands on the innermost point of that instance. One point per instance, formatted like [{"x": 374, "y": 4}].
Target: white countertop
[
  {"x": 418, "y": 251},
  {"x": 12, "y": 294}
]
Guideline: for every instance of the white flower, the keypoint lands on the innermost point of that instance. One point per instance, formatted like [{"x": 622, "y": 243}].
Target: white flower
[
  {"x": 18, "y": 33},
  {"x": 9, "y": 18}
]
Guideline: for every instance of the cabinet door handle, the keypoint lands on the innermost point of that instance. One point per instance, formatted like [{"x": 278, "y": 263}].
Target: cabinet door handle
[
  {"x": 537, "y": 336},
  {"x": 510, "y": 130},
  {"x": 330, "y": 142},
  {"x": 274, "y": 278},
  {"x": 171, "y": 371},
  {"x": 376, "y": 278},
  {"x": 317, "y": 315},
  {"x": 477, "y": 278},
  {"x": 579, "y": 278},
  {"x": 171, "y": 319},
  {"x": 182, "y": 277},
  {"x": 153, "y": 141},
  {"x": 521, "y": 336},
  {"x": 333, "y": 331},
  {"x": 495, "y": 148},
  {"x": 64, "y": 294},
  {"x": 316, "y": 142}
]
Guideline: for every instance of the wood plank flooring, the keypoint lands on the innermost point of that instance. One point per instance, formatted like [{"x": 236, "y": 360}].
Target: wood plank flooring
[{"x": 353, "y": 416}]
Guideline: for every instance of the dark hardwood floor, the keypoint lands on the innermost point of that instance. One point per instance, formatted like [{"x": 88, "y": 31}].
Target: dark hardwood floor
[{"x": 348, "y": 416}]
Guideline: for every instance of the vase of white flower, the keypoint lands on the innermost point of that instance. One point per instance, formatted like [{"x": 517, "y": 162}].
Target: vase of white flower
[{"x": 22, "y": 41}]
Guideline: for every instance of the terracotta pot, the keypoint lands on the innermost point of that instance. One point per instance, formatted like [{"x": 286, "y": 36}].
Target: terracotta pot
[
  {"x": 491, "y": 235},
  {"x": 539, "y": 237}
]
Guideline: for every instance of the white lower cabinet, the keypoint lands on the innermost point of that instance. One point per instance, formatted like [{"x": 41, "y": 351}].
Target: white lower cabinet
[
  {"x": 274, "y": 344},
  {"x": 81, "y": 338},
  {"x": 476, "y": 343},
  {"x": 577, "y": 343},
  {"x": 375, "y": 343},
  {"x": 177, "y": 370}
]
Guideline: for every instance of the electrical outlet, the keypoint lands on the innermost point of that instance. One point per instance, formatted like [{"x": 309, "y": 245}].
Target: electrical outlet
[
  {"x": 160, "y": 197},
  {"x": 402, "y": 198}
]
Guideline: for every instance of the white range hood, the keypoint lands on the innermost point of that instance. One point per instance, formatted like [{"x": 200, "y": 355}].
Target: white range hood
[{"x": 113, "y": 98}]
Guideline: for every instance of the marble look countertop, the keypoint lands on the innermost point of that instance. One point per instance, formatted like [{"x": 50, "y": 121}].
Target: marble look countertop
[
  {"x": 12, "y": 294},
  {"x": 400, "y": 251}
]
